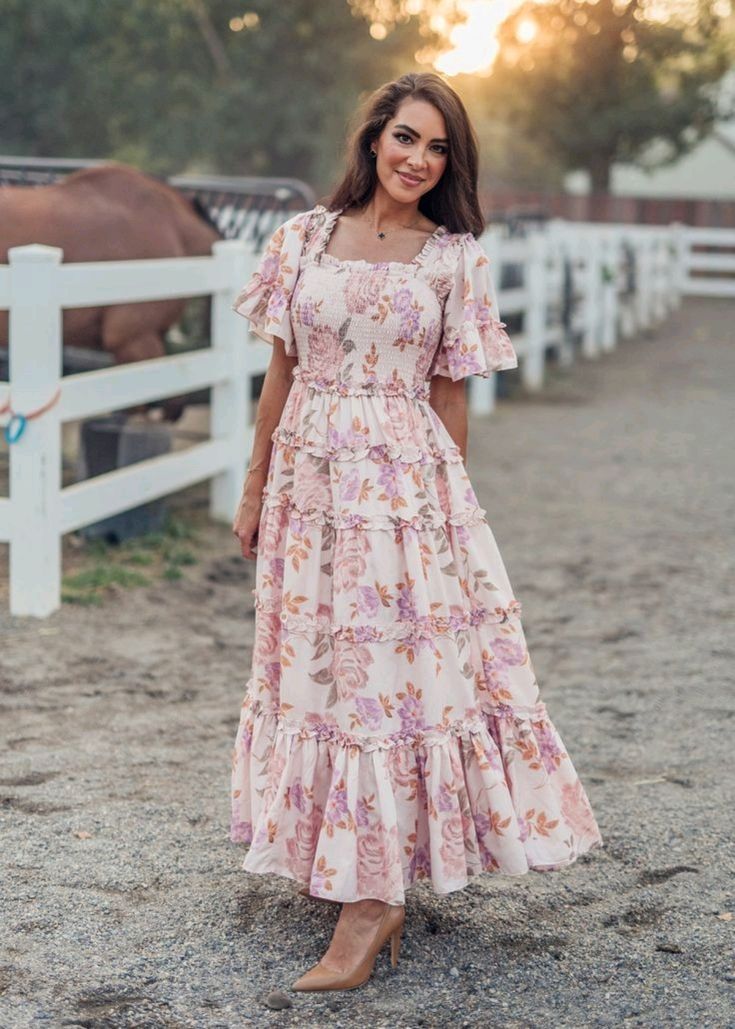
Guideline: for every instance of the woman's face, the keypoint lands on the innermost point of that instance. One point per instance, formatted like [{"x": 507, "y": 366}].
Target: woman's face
[{"x": 412, "y": 151}]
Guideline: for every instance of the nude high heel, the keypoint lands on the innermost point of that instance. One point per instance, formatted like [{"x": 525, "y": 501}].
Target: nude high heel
[{"x": 390, "y": 928}]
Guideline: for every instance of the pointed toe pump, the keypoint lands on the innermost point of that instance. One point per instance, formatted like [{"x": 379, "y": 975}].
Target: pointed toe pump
[{"x": 390, "y": 928}]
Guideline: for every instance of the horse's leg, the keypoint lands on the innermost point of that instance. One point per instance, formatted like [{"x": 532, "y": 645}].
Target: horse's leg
[{"x": 128, "y": 337}]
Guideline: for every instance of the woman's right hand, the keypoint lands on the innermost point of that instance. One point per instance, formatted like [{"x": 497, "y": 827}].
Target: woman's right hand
[{"x": 246, "y": 521}]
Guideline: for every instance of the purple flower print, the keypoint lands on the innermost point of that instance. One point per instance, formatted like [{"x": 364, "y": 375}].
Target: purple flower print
[
  {"x": 410, "y": 324},
  {"x": 246, "y": 737},
  {"x": 306, "y": 312},
  {"x": 445, "y": 800},
  {"x": 407, "y": 603},
  {"x": 420, "y": 864},
  {"x": 411, "y": 714},
  {"x": 368, "y": 601},
  {"x": 241, "y": 832},
  {"x": 297, "y": 796},
  {"x": 388, "y": 478},
  {"x": 370, "y": 712},
  {"x": 482, "y": 824},
  {"x": 401, "y": 301},
  {"x": 507, "y": 652},
  {"x": 362, "y": 814},
  {"x": 273, "y": 674},
  {"x": 495, "y": 674},
  {"x": 270, "y": 267},
  {"x": 350, "y": 486},
  {"x": 463, "y": 364},
  {"x": 337, "y": 809},
  {"x": 551, "y": 752}
]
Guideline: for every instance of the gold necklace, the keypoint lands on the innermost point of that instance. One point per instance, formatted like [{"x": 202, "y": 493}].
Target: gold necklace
[{"x": 382, "y": 235}]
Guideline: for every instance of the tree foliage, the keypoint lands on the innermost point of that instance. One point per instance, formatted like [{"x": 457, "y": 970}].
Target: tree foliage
[
  {"x": 170, "y": 86},
  {"x": 597, "y": 82}
]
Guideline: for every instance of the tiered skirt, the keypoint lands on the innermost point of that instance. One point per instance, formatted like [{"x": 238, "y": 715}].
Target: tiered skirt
[{"x": 392, "y": 728}]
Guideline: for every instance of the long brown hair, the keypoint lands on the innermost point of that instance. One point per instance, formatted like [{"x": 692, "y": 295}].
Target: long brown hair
[{"x": 453, "y": 201}]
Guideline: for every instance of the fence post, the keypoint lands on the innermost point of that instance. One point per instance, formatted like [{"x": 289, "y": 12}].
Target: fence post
[
  {"x": 659, "y": 296},
  {"x": 680, "y": 262},
  {"x": 643, "y": 312},
  {"x": 35, "y": 459},
  {"x": 532, "y": 367},
  {"x": 609, "y": 292},
  {"x": 592, "y": 283},
  {"x": 230, "y": 407}
]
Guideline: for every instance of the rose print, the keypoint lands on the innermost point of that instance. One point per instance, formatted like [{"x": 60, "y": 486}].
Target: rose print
[
  {"x": 576, "y": 810},
  {"x": 350, "y": 561},
  {"x": 350, "y": 668},
  {"x": 325, "y": 352},
  {"x": 267, "y": 635},
  {"x": 362, "y": 290},
  {"x": 454, "y": 865},
  {"x": 339, "y": 756},
  {"x": 311, "y": 489}
]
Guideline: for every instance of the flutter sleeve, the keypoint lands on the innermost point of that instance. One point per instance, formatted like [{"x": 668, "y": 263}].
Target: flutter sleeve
[
  {"x": 474, "y": 340},
  {"x": 265, "y": 300}
]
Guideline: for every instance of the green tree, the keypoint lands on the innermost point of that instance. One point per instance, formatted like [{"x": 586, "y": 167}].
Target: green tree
[
  {"x": 592, "y": 83},
  {"x": 182, "y": 85}
]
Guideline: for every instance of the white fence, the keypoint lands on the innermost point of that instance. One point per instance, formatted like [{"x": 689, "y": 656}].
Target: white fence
[
  {"x": 35, "y": 286},
  {"x": 601, "y": 307},
  {"x": 707, "y": 261}
]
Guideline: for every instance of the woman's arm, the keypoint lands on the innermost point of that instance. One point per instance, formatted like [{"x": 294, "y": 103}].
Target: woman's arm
[
  {"x": 276, "y": 386},
  {"x": 449, "y": 400}
]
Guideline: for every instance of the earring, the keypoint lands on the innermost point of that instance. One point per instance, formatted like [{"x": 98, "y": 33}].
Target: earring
[{"x": 373, "y": 154}]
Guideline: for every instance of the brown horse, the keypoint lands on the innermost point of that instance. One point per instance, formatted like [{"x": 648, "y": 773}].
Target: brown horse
[{"x": 109, "y": 212}]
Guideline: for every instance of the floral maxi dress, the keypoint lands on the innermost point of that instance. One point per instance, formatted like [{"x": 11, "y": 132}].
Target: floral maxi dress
[{"x": 392, "y": 728}]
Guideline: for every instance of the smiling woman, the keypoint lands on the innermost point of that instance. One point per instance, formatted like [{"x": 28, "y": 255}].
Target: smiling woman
[{"x": 392, "y": 728}]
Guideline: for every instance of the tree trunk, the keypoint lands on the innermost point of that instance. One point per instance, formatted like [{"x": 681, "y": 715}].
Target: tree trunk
[{"x": 599, "y": 168}]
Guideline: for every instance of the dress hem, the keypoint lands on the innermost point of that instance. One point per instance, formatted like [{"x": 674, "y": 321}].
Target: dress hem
[{"x": 285, "y": 873}]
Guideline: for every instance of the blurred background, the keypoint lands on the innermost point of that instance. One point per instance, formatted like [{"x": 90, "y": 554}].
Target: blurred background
[
  {"x": 607, "y": 180},
  {"x": 571, "y": 98},
  {"x": 127, "y": 395}
]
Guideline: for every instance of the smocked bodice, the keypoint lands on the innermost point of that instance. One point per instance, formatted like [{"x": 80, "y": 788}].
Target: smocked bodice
[{"x": 376, "y": 326}]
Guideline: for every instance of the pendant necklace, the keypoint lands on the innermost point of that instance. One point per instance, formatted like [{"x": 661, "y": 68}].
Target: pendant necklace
[{"x": 382, "y": 234}]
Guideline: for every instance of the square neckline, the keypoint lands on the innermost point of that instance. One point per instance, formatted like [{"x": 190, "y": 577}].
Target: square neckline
[{"x": 328, "y": 227}]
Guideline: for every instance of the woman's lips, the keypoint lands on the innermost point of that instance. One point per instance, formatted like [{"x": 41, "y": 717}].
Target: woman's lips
[{"x": 409, "y": 180}]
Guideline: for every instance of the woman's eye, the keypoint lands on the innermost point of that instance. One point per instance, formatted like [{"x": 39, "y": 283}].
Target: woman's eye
[
  {"x": 440, "y": 148},
  {"x": 403, "y": 135}
]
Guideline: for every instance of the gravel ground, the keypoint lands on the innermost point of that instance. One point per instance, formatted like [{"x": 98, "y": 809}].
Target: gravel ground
[{"x": 611, "y": 497}]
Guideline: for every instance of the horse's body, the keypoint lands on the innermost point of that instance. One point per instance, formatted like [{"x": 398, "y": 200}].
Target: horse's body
[{"x": 106, "y": 213}]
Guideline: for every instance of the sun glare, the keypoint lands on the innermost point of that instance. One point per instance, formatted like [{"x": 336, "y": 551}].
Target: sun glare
[{"x": 473, "y": 45}]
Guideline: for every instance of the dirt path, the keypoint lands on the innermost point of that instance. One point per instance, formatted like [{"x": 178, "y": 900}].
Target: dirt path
[{"x": 611, "y": 498}]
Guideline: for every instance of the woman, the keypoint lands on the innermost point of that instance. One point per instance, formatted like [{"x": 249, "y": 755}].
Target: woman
[{"x": 392, "y": 728}]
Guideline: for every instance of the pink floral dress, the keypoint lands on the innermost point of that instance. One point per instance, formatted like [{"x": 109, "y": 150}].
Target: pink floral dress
[{"x": 392, "y": 728}]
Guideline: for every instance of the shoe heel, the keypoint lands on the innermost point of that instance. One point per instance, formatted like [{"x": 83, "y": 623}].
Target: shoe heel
[{"x": 395, "y": 947}]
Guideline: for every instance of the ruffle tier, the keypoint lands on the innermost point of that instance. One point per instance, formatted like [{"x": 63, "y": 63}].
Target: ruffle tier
[
  {"x": 353, "y": 817},
  {"x": 392, "y": 729}
]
